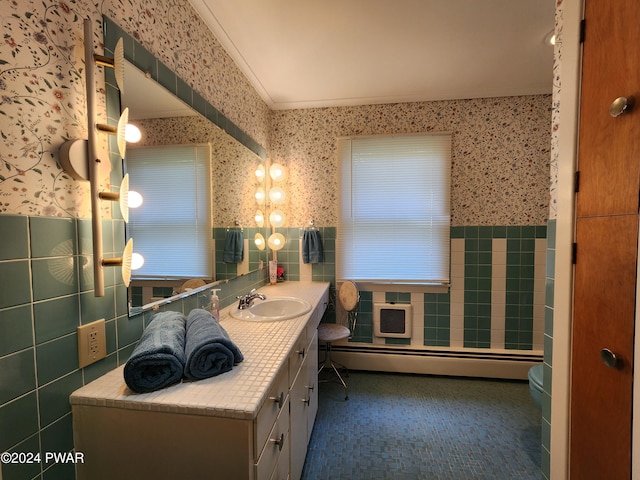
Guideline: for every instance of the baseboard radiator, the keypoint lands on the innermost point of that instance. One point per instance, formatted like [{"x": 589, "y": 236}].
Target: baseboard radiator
[{"x": 466, "y": 363}]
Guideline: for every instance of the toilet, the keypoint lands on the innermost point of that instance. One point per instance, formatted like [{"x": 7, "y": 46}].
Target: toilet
[{"x": 535, "y": 384}]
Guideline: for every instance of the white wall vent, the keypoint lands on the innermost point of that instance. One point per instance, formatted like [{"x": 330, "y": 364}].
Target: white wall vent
[{"x": 392, "y": 320}]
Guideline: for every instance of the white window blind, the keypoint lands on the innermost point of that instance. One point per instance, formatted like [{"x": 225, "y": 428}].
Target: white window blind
[
  {"x": 394, "y": 219},
  {"x": 172, "y": 228}
]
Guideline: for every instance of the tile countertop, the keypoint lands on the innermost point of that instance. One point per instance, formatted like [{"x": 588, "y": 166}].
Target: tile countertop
[{"x": 238, "y": 393}]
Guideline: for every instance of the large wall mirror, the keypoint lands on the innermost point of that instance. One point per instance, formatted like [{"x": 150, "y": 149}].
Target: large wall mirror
[{"x": 168, "y": 124}]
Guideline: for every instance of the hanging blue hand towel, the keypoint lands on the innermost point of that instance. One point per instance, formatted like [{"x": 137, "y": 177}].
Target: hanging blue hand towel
[
  {"x": 312, "y": 247},
  {"x": 158, "y": 359},
  {"x": 233, "y": 247}
]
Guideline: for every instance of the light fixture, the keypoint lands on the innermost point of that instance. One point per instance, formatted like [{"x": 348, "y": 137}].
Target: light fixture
[
  {"x": 276, "y": 241},
  {"x": 123, "y": 262},
  {"x": 80, "y": 159},
  {"x": 137, "y": 261},
  {"x": 277, "y": 172},
  {"x": 126, "y": 198},
  {"x": 277, "y": 218},
  {"x": 132, "y": 133},
  {"x": 122, "y": 197},
  {"x": 74, "y": 154},
  {"x": 260, "y": 172},
  {"x": 550, "y": 38},
  {"x": 117, "y": 62},
  {"x": 119, "y": 131},
  {"x": 277, "y": 196},
  {"x": 260, "y": 196},
  {"x": 259, "y": 218},
  {"x": 259, "y": 241},
  {"x": 135, "y": 199}
]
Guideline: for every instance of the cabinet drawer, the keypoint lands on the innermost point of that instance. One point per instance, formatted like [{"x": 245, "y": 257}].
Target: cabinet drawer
[
  {"x": 281, "y": 471},
  {"x": 297, "y": 356},
  {"x": 277, "y": 444},
  {"x": 273, "y": 405}
]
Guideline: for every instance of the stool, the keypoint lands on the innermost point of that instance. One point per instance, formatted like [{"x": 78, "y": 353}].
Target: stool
[{"x": 329, "y": 333}]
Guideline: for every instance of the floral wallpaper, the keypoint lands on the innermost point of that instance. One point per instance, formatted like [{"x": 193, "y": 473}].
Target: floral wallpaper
[
  {"x": 500, "y": 164},
  {"x": 501, "y": 146},
  {"x": 42, "y": 97},
  {"x": 555, "y": 123}
]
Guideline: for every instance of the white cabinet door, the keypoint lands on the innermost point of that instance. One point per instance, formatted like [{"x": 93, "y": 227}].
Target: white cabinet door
[{"x": 304, "y": 406}]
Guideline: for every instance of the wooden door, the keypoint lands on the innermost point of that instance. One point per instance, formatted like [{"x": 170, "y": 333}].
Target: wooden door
[{"x": 607, "y": 243}]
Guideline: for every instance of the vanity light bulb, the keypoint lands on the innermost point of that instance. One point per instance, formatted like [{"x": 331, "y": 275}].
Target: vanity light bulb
[
  {"x": 277, "y": 218},
  {"x": 277, "y": 195},
  {"x": 134, "y": 200},
  {"x": 260, "y": 196},
  {"x": 259, "y": 241},
  {"x": 259, "y": 218},
  {"x": 132, "y": 133},
  {"x": 260, "y": 173},
  {"x": 276, "y": 172},
  {"x": 276, "y": 241},
  {"x": 137, "y": 261}
]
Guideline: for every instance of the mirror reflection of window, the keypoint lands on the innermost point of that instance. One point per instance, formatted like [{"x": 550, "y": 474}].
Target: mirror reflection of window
[{"x": 174, "y": 222}]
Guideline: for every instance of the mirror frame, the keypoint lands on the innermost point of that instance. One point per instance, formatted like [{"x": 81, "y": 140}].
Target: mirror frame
[{"x": 144, "y": 60}]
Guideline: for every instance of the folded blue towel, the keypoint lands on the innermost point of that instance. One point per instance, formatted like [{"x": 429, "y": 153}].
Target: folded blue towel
[
  {"x": 208, "y": 348},
  {"x": 158, "y": 359},
  {"x": 312, "y": 251},
  {"x": 233, "y": 247}
]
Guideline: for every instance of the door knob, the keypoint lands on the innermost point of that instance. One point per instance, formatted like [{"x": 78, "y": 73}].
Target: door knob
[
  {"x": 609, "y": 358},
  {"x": 620, "y": 105}
]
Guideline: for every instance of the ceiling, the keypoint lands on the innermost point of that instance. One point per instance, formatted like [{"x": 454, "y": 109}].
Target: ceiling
[{"x": 321, "y": 53}]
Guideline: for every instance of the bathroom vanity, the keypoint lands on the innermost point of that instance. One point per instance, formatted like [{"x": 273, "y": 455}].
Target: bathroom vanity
[{"x": 253, "y": 422}]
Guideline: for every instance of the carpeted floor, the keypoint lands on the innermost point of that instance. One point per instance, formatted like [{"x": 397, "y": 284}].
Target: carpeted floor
[{"x": 397, "y": 426}]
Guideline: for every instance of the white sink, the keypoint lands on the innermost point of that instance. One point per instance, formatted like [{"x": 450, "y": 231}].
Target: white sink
[{"x": 272, "y": 309}]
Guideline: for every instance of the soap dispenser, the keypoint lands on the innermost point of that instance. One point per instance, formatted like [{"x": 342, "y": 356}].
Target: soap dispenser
[{"x": 215, "y": 303}]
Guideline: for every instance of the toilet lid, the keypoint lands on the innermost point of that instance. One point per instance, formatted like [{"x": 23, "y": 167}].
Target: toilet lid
[
  {"x": 535, "y": 374},
  {"x": 349, "y": 295}
]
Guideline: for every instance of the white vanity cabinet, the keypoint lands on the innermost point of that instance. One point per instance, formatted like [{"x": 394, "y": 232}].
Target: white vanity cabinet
[
  {"x": 252, "y": 423},
  {"x": 303, "y": 397},
  {"x": 272, "y": 437},
  {"x": 303, "y": 393}
]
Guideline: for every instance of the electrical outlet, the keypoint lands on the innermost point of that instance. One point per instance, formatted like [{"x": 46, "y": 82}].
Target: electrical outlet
[{"x": 92, "y": 343}]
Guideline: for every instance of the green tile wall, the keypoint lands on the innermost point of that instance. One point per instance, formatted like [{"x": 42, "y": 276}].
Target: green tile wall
[
  {"x": 364, "y": 327},
  {"x": 477, "y": 286},
  {"x": 437, "y": 319},
  {"x": 477, "y": 292},
  {"x": 326, "y": 271},
  {"x": 45, "y": 293},
  {"x": 520, "y": 284},
  {"x": 46, "y": 277},
  {"x": 230, "y": 270},
  {"x": 46, "y": 282},
  {"x": 548, "y": 349}
]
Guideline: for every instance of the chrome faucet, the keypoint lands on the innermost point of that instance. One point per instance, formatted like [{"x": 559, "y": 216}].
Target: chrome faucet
[{"x": 247, "y": 300}]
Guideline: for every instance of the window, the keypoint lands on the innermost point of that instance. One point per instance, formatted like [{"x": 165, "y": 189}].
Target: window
[
  {"x": 174, "y": 221},
  {"x": 393, "y": 224}
]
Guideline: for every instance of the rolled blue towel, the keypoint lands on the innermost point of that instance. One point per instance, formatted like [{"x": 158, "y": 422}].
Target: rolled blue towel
[
  {"x": 208, "y": 348},
  {"x": 233, "y": 247},
  {"x": 158, "y": 359},
  {"x": 312, "y": 251}
]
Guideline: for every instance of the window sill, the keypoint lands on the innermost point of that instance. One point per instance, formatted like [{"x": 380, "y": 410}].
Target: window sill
[{"x": 370, "y": 286}]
